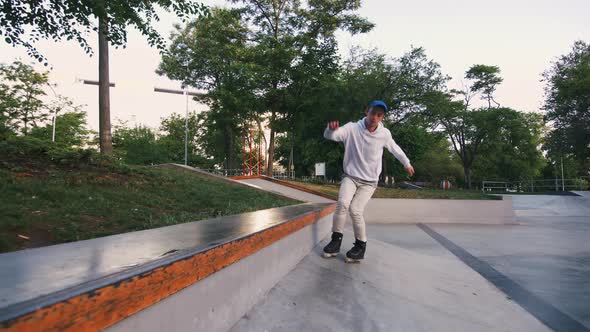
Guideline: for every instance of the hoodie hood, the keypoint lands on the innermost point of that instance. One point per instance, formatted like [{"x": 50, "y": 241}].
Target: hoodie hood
[{"x": 363, "y": 126}]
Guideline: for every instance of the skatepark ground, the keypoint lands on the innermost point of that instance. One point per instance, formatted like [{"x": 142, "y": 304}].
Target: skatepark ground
[{"x": 532, "y": 275}]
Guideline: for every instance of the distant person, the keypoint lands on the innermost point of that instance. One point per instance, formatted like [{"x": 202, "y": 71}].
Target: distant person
[{"x": 363, "y": 143}]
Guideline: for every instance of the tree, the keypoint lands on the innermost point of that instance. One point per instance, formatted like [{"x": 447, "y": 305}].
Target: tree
[
  {"x": 403, "y": 83},
  {"x": 437, "y": 163},
  {"x": 567, "y": 105},
  {"x": 430, "y": 153},
  {"x": 70, "y": 127},
  {"x": 211, "y": 139},
  {"x": 172, "y": 140},
  {"x": 57, "y": 20},
  {"x": 211, "y": 53},
  {"x": 511, "y": 149},
  {"x": 415, "y": 77},
  {"x": 8, "y": 105},
  {"x": 466, "y": 129},
  {"x": 311, "y": 96},
  {"x": 138, "y": 145},
  {"x": 20, "y": 100},
  {"x": 486, "y": 80},
  {"x": 22, "y": 23},
  {"x": 324, "y": 90},
  {"x": 282, "y": 29},
  {"x": 366, "y": 75}
]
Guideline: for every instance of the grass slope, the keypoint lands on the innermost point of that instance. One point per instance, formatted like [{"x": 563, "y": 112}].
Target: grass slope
[{"x": 44, "y": 204}]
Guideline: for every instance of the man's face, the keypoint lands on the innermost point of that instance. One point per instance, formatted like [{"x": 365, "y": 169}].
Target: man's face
[{"x": 374, "y": 116}]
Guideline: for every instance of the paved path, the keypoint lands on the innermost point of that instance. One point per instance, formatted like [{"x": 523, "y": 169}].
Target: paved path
[{"x": 286, "y": 191}]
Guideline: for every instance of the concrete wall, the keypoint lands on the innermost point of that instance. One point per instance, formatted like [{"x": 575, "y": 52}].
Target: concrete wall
[
  {"x": 388, "y": 211},
  {"x": 217, "y": 302}
]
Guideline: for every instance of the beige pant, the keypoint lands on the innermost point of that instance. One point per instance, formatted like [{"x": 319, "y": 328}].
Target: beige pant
[{"x": 352, "y": 199}]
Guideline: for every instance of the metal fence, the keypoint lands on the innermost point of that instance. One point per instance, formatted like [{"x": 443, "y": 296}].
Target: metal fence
[
  {"x": 241, "y": 172},
  {"x": 535, "y": 185}
]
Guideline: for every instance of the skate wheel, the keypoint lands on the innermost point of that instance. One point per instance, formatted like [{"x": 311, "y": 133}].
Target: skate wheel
[{"x": 328, "y": 255}]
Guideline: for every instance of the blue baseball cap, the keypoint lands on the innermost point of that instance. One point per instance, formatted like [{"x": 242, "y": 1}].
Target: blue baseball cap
[{"x": 379, "y": 103}]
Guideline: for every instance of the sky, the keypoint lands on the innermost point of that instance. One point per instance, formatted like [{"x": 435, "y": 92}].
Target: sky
[{"x": 521, "y": 37}]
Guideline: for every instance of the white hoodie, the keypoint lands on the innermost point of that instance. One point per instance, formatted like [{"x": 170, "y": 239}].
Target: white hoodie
[{"x": 363, "y": 149}]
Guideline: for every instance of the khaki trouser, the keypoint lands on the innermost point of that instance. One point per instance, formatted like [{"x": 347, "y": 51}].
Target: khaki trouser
[{"x": 352, "y": 199}]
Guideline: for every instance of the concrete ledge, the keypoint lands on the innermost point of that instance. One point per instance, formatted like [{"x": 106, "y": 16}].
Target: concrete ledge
[
  {"x": 99, "y": 303},
  {"x": 391, "y": 211},
  {"x": 218, "y": 302}
]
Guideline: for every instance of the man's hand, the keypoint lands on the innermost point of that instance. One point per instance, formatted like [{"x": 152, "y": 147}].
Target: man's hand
[
  {"x": 333, "y": 125},
  {"x": 410, "y": 170}
]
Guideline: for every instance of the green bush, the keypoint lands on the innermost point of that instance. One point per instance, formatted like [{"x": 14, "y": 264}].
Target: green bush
[
  {"x": 581, "y": 184},
  {"x": 30, "y": 149}
]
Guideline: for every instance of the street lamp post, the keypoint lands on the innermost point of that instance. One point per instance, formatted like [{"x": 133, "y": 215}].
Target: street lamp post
[
  {"x": 54, "y": 120},
  {"x": 53, "y": 133},
  {"x": 186, "y": 127},
  {"x": 186, "y": 93},
  {"x": 562, "y": 178}
]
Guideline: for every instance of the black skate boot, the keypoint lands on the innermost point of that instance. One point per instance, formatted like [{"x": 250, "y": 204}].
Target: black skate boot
[
  {"x": 357, "y": 252},
  {"x": 333, "y": 248}
]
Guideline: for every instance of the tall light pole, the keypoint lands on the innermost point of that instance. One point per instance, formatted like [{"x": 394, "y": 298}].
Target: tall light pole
[
  {"x": 186, "y": 93},
  {"x": 54, "y": 120},
  {"x": 562, "y": 179},
  {"x": 185, "y": 127}
]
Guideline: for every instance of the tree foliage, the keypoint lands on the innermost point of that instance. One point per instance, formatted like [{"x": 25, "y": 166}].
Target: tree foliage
[
  {"x": 172, "y": 133},
  {"x": 22, "y": 23},
  {"x": 21, "y": 92},
  {"x": 211, "y": 53},
  {"x": 567, "y": 106},
  {"x": 70, "y": 129},
  {"x": 283, "y": 31},
  {"x": 485, "y": 81},
  {"x": 511, "y": 151}
]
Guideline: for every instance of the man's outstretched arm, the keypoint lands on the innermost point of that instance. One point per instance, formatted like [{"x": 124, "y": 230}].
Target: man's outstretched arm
[
  {"x": 336, "y": 133},
  {"x": 399, "y": 154}
]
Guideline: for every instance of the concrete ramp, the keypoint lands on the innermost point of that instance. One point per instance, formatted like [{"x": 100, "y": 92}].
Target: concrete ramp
[{"x": 552, "y": 205}]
